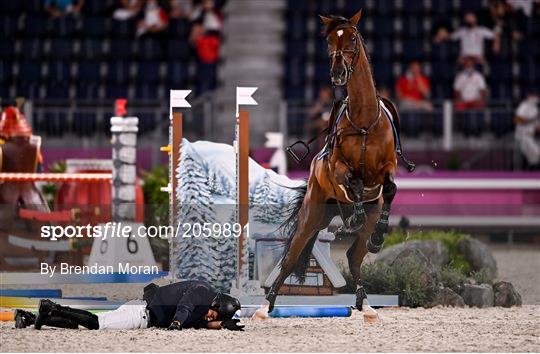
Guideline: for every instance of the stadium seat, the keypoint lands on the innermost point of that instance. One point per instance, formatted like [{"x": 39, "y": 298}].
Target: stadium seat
[
  {"x": 382, "y": 49},
  {"x": 7, "y": 49},
  {"x": 63, "y": 26},
  {"x": 57, "y": 90},
  {"x": 31, "y": 49},
  {"x": 61, "y": 49},
  {"x": 31, "y": 90},
  {"x": 413, "y": 26},
  {"x": 147, "y": 92},
  {"x": 84, "y": 123},
  {"x": 97, "y": 27},
  {"x": 471, "y": 123},
  {"x": 298, "y": 49},
  {"x": 54, "y": 123},
  {"x": 502, "y": 122},
  {"x": 116, "y": 91},
  {"x": 89, "y": 71},
  {"x": 148, "y": 72},
  {"x": 178, "y": 50},
  {"x": 296, "y": 26},
  {"x": 411, "y": 123},
  {"x": 32, "y": 6},
  {"x": 118, "y": 72},
  {"x": 122, "y": 49},
  {"x": 33, "y": 26},
  {"x": 87, "y": 91},
  {"x": 326, "y": 7},
  {"x": 30, "y": 71},
  {"x": 147, "y": 122},
  {"x": 8, "y": 26},
  {"x": 177, "y": 73},
  {"x": 6, "y": 72},
  {"x": 295, "y": 72},
  {"x": 413, "y": 49},
  {"x": 58, "y": 71},
  {"x": 93, "y": 49},
  {"x": 150, "y": 49},
  {"x": 179, "y": 28},
  {"x": 383, "y": 74},
  {"x": 98, "y": 7},
  {"x": 383, "y": 26},
  {"x": 124, "y": 29},
  {"x": 11, "y": 7}
]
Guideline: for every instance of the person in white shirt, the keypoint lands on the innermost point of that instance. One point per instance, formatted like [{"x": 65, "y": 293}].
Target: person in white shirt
[
  {"x": 471, "y": 38},
  {"x": 470, "y": 87},
  {"x": 527, "y": 125}
]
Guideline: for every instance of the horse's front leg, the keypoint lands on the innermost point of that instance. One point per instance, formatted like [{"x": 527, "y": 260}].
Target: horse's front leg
[
  {"x": 375, "y": 241},
  {"x": 358, "y": 250}
]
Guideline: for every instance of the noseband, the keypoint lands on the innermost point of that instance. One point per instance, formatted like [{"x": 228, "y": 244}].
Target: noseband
[{"x": 349, "y": 67}]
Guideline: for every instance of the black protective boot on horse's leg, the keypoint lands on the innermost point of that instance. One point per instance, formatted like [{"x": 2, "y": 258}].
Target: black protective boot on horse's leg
[
  {"x": 376, "y": 240},
  {"x": 358, "y": 216},
  {"x": 24, "y": 318},
  {"x": 76, "y": 316},
  {"x": 271, "y": 298},
  {"x": 360, "y": 296}
]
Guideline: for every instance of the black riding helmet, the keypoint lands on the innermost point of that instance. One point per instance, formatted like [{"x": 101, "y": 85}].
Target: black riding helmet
[{"x": 225, "y": 305}]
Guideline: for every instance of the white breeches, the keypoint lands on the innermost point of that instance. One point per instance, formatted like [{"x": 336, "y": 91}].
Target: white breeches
[
  {"x": 530, "y": 148},
  {"x": 131, "y": 315}
]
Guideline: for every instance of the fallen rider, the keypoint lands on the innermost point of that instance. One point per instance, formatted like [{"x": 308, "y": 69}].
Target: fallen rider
[{"x": 186, "y": 304}]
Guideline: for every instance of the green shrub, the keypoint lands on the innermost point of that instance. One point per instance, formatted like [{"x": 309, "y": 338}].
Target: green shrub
[
  {"x": 49, "y": 190},
  {"x": 405, "y": 281},
  {"x": 452, "y": 278},
  {"x": 482, "y": 277},
  {"x": 449, "y": 239},
  {"x": 156, "y": 211}
]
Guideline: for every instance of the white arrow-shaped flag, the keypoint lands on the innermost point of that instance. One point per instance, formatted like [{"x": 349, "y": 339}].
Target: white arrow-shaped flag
[
  {"x": 243, "y": 96},
  {"x": 178, "y": 99}
]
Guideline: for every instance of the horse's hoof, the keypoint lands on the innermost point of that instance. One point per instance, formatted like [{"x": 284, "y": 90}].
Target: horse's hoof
[
  {"x": 373, "y": 248},
  {"x": 360, "y": 296}
]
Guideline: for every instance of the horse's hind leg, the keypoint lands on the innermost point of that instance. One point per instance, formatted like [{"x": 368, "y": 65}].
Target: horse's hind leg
[
  {"x": 358, "y": 250},
  {"x": 374, "y": 243},
  {"x": 312, "y": 218}
]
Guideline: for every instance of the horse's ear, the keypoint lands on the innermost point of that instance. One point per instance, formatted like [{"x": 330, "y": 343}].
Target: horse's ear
[
  {"x": 356, "y": 18},
  {"x": 325, "y": 20}
]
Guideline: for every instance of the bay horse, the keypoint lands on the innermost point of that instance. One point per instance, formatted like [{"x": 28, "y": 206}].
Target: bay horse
[{"x": 356, "y": 169}]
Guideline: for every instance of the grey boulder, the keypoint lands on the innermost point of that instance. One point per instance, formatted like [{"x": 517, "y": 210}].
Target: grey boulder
[
  {"x": 506, "y": 295},
  {"x": 435, "y": 251},
  {"x": 479, "y": 256},
  {"x": 478, "y": 295},
  {"x": 447, "y": 297}
]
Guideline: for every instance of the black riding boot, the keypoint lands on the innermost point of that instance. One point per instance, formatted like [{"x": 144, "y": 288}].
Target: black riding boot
[
  {"x": 24, "y": 318},
  {"x": 54, "y": 321},
  {"x": 76, "y": 316}
]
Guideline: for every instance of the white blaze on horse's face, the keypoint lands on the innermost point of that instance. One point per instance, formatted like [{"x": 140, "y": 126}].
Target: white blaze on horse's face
[{"x": 340, "y": 33}]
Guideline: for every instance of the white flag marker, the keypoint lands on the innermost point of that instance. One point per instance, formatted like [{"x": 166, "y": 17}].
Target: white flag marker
[
  {"x": 178, "y": 99},
  {"x": 243, "y": 96}
]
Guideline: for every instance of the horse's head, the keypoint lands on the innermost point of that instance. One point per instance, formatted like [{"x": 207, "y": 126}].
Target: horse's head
[{"x": 344, "y": 44}]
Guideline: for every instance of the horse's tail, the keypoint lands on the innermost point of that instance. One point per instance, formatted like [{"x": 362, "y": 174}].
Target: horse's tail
[
  {"x": 395, "y": 115},
  {"x": 289, "y": 227}
]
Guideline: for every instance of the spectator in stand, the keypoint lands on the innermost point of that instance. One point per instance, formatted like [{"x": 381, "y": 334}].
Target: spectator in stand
[
  {"x": 155, "y": 18},
  {"x": 207, "y": 15},
  {"x": 470, "y": 89},
  {"x": 413, "y": 89},
  {"x": 181, "y": 8},
  {"x": 319, "y": 114},
  {"x": 471, "y": 38},
  {"x": 59, "y": 8},
  {"x": 206, "y": 45},
  {"x": 527, "y": 126},
  {"x": 127, "y": 9}
]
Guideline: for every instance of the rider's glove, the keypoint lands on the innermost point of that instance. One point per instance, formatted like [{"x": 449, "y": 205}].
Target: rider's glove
[
  {"x": 232, "y": 325},
  {"x": 175, "y": 326}
]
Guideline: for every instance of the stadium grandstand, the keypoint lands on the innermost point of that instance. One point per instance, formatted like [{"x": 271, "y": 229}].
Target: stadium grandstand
[{"x": 72, "y": 63}]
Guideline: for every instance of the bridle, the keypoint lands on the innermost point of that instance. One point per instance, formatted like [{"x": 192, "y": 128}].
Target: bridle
[{"x": 349, "y": 67}]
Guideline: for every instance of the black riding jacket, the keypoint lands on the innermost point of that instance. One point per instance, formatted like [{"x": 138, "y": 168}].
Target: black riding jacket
[{"x": 186, "y": 302}]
